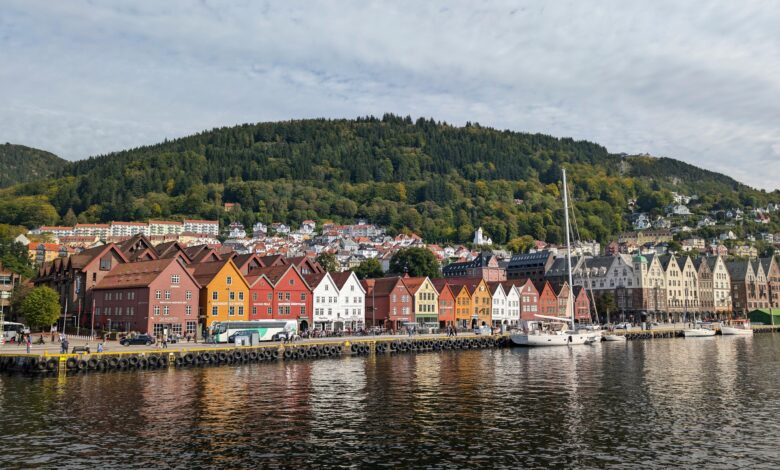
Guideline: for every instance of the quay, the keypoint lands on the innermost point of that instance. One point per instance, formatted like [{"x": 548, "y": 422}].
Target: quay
[
  {"x": 193, "y": 354},
  {"x": 205, "y": 355}
]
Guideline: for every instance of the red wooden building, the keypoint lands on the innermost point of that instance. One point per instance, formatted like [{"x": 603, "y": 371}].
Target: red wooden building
[
  {"x": 290, "y": 299},
  {"x": 388, "y": 303},
  {"x": 446, "y": 303},
  {"x": 529, "y": 298},
  {"x": 548, "y": 301}
]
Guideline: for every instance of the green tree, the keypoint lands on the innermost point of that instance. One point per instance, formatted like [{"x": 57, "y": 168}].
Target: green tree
[
  {"x": 606, "y": 305},
  {"x": 368, "y": 269},
  {"x": 675, "y": 246},
  {"x": 520, "y": 244},
  {"x": 41, "y": 307},
  {"x": 328, "y": 261},
  {"x": 416, "y": 262},
  {"x": 17, "y": 297}
]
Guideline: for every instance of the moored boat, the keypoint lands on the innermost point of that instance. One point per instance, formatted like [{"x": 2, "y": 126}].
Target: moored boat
[
  {"x": 698, "y": 332},
  {"x": 737, "y": 329},
  {"x": 615, "y": 338}
]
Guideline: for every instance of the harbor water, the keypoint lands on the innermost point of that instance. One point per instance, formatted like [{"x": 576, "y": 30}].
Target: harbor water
[{"x": 693, "y": 403}]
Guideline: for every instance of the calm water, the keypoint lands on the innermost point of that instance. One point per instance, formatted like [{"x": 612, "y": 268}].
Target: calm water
[{"x": 709, "y": 402}]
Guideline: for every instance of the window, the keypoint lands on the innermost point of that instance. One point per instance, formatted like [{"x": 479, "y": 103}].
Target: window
[
  {"x": 254, "y": 296},
  {"x": 303, "y": 295},
  {"x": 229, "y": 280},
  {"x": 108, "y": 310},
  {"x": 215, "y": 295},
  {"x": 130, "y": 311},
  {"x": 188, "y": 310},
  {"x": 279, "y": 310},
  {"x": 158, "y": 294},
  {"x": 286, "y": 296},
  {"x": 214, "y": 311},
  {"x": 174, "y": 278},
  {"x": 167, "y": 295},
  {"x": 119, "y": 310},
  {"x": 269, "y": 311},
  {"x": 188, "y": 295},
  {"x": 303, "y": 311},
  {"x": 232, "y": 311},
  {"x": 97, "y": 311},
  {"x": 118, "y": 296},
  {"x": 254, "y": 310},
  {"x": 240, "y": 309},
  {"x": 292, "y": 282},
  {"x": 166, "y": 310},
  {"x": 156, "y": 309},
  {"x": 270, "y": 296},
  {"x": 240, "y": 296},
  {"x": 232, "y": 295},
  {"x": 280, "y": 295}
]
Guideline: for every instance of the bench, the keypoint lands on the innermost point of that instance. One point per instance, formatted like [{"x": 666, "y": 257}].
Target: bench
[{"x": 80, "y": 349}]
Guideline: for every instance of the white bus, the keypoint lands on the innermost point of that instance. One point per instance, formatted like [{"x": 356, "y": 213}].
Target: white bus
[
  {"x": 11, "y": 330},
  {"x": 266, "y": 329}
]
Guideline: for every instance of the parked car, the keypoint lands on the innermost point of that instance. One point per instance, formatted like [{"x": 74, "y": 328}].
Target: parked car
[
  {"x": 232, "y": 338},
  {"x": 140, "y": 339},
  {"x": 623, "y": 326},
  {"x": 280, "y": 336}
]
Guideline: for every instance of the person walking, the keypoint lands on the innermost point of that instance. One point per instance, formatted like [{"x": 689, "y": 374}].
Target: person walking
[
  {"x": 165, "y": 341},
  {"x": 28, "y": 343},
  {"x": 64, "y": 345},
  {"x": 100, "y": 347}
]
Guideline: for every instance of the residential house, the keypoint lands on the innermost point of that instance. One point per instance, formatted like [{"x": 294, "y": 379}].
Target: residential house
[
  {"x": 706, "y": 291},
  {"x": 772, "y": 273},
  {"x": 325, "y": 303},
  {"x": 581, "y": 305},
  {"x": 721, "y": 286},
  {"x": 529, "y": 299},
  {"x": 462, "y": 305},
  {"x": 500, "y": 311},
  {"x": 481, "y": 300},
  {"x": 512, "y": 303}
]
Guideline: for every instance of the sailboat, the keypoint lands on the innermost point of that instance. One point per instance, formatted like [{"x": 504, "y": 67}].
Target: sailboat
[
  {"x": 554, "y": 332},
  {"x": 737, "y": 328}
]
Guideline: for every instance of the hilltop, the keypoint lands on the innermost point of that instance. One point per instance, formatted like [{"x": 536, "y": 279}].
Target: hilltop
[
  {"x": 20, "y": 164},
  {"x": 430, "y": 177}
]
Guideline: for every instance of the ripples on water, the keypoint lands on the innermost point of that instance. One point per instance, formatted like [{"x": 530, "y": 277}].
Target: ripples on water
[{"x": 705, "y": 403}]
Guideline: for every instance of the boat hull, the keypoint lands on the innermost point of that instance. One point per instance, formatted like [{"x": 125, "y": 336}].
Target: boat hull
[
  {"x": 549, "y": 340},
  {"x": 615, "y": 338},
  {"x": 698, "y": 333},
  {"x": 730, "y": 330}
]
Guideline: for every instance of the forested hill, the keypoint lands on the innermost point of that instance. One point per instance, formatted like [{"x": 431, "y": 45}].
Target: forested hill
[
  {"x": 19, "y": 164},
  {"x": 435, "y": 179}
]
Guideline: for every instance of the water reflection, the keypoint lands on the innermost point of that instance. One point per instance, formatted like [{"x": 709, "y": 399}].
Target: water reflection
[{"x": 695, "y": 403}]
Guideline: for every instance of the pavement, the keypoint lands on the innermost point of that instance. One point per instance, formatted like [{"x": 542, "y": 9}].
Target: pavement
[{"x": 114, "y": 346}]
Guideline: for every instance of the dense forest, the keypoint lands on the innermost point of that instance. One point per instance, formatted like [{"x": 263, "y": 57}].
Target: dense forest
[
  {"x": 438, "y": 180},
  {"x": 19, "y": 164}
]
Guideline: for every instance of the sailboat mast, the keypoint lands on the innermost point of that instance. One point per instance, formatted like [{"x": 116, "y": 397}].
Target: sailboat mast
[{"x": 569, "y": 303}]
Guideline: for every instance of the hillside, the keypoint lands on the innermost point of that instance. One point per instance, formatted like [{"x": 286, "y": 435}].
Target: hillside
[
  {"x": 429, "y": 177},
  {"x": 19, "y": 164}
]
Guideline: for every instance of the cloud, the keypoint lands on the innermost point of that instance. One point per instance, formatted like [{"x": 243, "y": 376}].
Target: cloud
[{"x": 694, "y": 82}]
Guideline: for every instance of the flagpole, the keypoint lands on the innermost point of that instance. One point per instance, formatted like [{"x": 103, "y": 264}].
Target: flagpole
[{"x": 92, "y": 327}]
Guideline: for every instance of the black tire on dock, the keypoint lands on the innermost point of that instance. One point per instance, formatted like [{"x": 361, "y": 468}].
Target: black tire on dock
[
  {"x": 40, "y": 365},
  {"x": 71, "y": 363},
  {"x": 92, "y": 363},
  {"x": 223, "y": 356},
  {"x": 113, "y": 362},
  {"x": 189, "y": 358},
  {"x": 354, "y": 348},
  {"x": 253, "y": 356},
  {"x": 163, "y": 361},
  {"x": 82, "y": 365},
  {"x": 288, "y": 354},
  {"x": 274, "y": 354},
  {"x": 123, "y": 363},
  {"x": 133, "y": 360},
  {"x": 102, "y": 365},
  {"x": 51, "y": 364},
  {"x": 153, "y": 362}
]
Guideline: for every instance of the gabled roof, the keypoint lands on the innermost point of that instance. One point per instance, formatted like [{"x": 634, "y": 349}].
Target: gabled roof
[
  {"x": 273, "y": 260},
  {"x": 341, "y": 278},
  {"x": 414, "y": 283},
  {"x": 82, "y": 259},
  {"x": 274, "y": 273},
  {"x": 314, "y": 279},
  {"x": 441, "y": 285},
  {"x": 766, "y": 263},
  {"x": 471, "y": 283},
  {"x": 495, "y": 286},
  {"x": 139, "y": 274},
  {"x": 205, "y": 272},
  {"x": 481, "y": 261},
  {"x": 300, "y": 261},
  {"x": 665, "y": 260},
  {"x": 199, "y": 253},
  {"x": 738, "y": 269},
  {"x": 382, "y": 285}
]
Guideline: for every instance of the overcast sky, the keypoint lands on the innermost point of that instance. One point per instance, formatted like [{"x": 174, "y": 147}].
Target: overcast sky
[{"x": 700, "y": 82}]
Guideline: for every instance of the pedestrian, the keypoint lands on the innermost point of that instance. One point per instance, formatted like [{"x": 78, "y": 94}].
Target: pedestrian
[
  {"x": 64, "y": 345},
  {"x": 100, "y": 347},
  {"x": 28, "y": 343},
  {"x": 165, "y": 341}
]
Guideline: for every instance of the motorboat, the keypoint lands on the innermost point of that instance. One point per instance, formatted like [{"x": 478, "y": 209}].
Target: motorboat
[
  {"x": 698, "y": 332},
  {"x": 737, "y": 329},
  {"x": 614, "y": 338}
]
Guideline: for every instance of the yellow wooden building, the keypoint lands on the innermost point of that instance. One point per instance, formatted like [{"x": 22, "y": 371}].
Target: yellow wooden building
[{"x": 225, "y": 293}]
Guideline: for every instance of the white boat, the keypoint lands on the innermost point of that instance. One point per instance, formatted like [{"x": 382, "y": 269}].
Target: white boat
[
  {"x": 553, "y": 332},
  {"x": 741, "y": 329},
  {"x": 615, "y": 338},
  {"x": 698, "y": 332}
]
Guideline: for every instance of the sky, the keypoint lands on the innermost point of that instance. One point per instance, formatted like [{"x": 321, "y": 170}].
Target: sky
[{"x": 696, "y": 81}]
